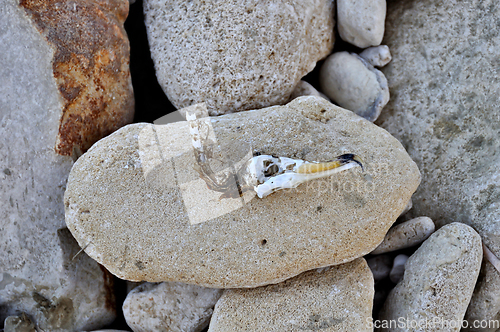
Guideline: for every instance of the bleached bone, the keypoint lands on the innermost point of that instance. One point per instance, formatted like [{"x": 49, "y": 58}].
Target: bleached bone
[
  {"x": 275, "y": 173},
  {"x": 264, "y": 174}
]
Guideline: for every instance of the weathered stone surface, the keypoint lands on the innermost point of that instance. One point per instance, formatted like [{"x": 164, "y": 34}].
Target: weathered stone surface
[
  {"x": 406, "y": 234},
  {"x": 137, "y": 205},
  {"x": 485, "y": 303},
  {"x": 445, "y": 95},
  {"x": 337, "y": 298},
  {"x": 169, "y": 306},
  {"x": 44, "y": 80},
  {"x": 354, "y": 84},
  {"x": 438, "y": 281},
  {"x": 236, "y": 55},
  {"x": 361, "y": 22},
  {"x": 377, "y": 56}
]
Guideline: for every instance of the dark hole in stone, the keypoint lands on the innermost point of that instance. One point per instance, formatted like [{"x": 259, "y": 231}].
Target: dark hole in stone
[{"x": 263, "y": 242}]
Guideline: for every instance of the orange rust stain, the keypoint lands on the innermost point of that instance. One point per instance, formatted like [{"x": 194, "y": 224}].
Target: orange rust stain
[{"x": 90, "y": 65}]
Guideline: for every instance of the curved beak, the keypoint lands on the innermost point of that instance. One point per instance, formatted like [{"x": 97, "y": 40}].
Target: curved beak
[{"x": 310, "y": 168}]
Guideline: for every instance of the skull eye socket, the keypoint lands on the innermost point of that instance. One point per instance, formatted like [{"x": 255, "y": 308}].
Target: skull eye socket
[{"x": 271, "y": 170}]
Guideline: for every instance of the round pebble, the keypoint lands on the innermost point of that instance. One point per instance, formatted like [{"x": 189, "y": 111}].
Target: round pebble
[
  {"x": 354, "y": 84},
  {"x": 377, "y": 56},
  {"x": 405, "y": 235},
  {"x": 361, "y": 22}
]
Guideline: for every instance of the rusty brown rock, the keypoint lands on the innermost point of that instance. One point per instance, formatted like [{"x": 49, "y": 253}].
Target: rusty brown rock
[
  {"x": 90, "y": 66},
  {"x": 64, "y": 83}
]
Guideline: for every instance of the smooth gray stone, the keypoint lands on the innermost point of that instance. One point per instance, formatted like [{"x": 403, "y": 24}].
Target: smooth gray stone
[
  {"x": 405, "y": 235},
  {"x": 354, "y": 84},
  {"x": 377, "y": 56},
  {"x": 170, "y": 306},
  {"x": 361, "y": 22}
]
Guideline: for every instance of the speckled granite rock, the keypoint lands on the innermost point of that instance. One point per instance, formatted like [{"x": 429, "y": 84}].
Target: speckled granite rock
[
  {"x": 438, "y": 281},
  {"x": 62, "y": 87},
  {"x": 169, "y": 306},
  {"x": 485, "y": 302},
  {"x": 331, "y": 299},
  {"x": 236, "y": 55},
  {"x": 361, "y": 22},
  {"x": 354, "y": 84},
  {"x": 445, "y": 95},
  {"x": 136, "y": 200}
]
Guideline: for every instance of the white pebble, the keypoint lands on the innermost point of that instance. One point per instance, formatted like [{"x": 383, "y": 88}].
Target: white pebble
[
  {"x": 377, "y": 56},
  {"x": 398, "y": 268},
  {"x": 405, "y": 235},
  {"x": 361, "y": 22}
]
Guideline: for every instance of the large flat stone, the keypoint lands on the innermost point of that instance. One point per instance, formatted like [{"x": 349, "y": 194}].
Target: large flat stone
[{"x": 137, "y": 205}]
